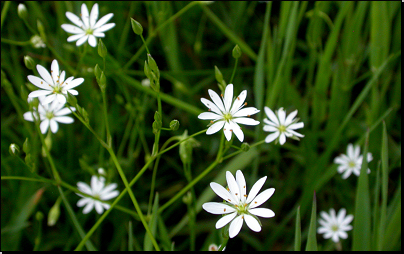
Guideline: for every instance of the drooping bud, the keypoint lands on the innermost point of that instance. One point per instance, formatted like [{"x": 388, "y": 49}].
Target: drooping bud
[
  {"x": 22, "y": 11},
  {"x": 14, "y": 149},
  {"x": 174, "y": 125},
  {"x": 29, "y": 62}
]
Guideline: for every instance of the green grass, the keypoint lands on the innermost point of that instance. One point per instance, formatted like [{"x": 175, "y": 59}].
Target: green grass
[{"x": 337, "y": 63}]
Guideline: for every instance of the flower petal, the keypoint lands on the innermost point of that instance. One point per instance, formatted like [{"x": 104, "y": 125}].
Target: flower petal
[
  {"x": 217, "y": 208},
  {"x": 226, "y": 130},
  {"x": 215, "y": 127},
  {"x": 83, "y": 187},
  {"x": 281, "y": 116},
  {"x": 262, "y": 212},
  {"x": 216, "y": 99},
  {"x": 45, "y": 75},
  {"x": 209, "y": 116},
  {"x": 270, "y": 128},
  {"x": 235, "y": 226},
  {"x": 94, "y": 15},
  {"x": 237, "y": 130},
  {"x": 98, "y": 207},
  {"x": 222, "y": 192},
  {"x": 246, "y": 112},
  {"x": 75, "y": 37},
  {"x": 28, "y": 116},
  {"x": 85, "y": 16},
  {"x": 82, "y": 202},
  {"x": 289, "y": 118},
  {"x": 39, "y": 82},
  {"x": 246, "y": 121},
  {"x": 64, "y": 119},
  {"x": 271, "y": 115},
  {"x": 282, "y": 138},
  {"x": 82, "y": 40},
  {"x": 44, "y": 126},
  {"x": 73, "y": 83},
  {"x": 212, "y": 106},
  {"x": 271, "y": 137},
  {"x": 74, "y": 18},
  {"x": 109, "y": 195},
  {"x": 103, "y": 20},
  {"x": 38, "y": 93},
  {"x": 53, "y": 125},
  {"x": 296, "y": 126},
  {"x": 238, "y": 102},
  {"x": 255, "y": 189},
  {"x": 252, "y": 223},
  {"x": 104, "y": 28},
  {"x": 228, "y": 97},
  {"x": 72, "y": 29},
  {"x": 88, "y": 207},
  {"x": 92, "y": 41},
  {"x": 242, "y": 185},
  {"x": 233, "y": 186},
  {"x": 55, "y": 71},
  {"x": 262, "y": 197},
  {"x": 224, "y": 220}
]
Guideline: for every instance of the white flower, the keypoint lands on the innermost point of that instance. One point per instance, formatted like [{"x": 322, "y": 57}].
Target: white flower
[
  {"x": 87, "y": 28},
  {"x": 281, "y": 126},
  {"x": 239, "y": 206},
  {"x": 333, "y": 226},
  {"x": 214, "y": 247},
  {"x": 226, "y": 114},
  {"x": 50, "y": 115},
  {"x": 352, "y": 162},
  {"x": 53, "y": 84},
  {"x": 37, "y": 41},
  {"x": 98, "y": 190}
]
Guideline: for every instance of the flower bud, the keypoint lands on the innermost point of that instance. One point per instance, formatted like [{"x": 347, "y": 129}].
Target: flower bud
[
  {"x": 102, "y": 82},
  {"x": 97, "y": 72},
  {"x": 236, "y": 52},
  {"x": 37, "y": 42},
  {"x": 54, "y": 213},
  {"x": 29, "y": 62},
  {"x": 136, "y": 26},
  {"x": 102, "y": 50},
  {"x": 26, "y": 147},
  {"x": 187, "y": 198},
  {"x": 22, "y": 11},
  {"x": 147, "y": 70},
  {"x": 39, "y": 216},
  {"x": 153, "y": 65},
  {"x": 174, "y": 125},
  {"x": 245, "y": 147},
  {"x": 14, "y": 149}
]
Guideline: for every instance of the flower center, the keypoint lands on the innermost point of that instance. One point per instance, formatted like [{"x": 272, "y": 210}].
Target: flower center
[
  {"x": 227, "y": 117},
  {"x": 49, "y": 115},
  {"x": 282, "y": 128},
  {"x": 351, "y": 164},
  {"x": 334, "y": 228},
  {"x": 89, "y": 31},
  {"x": 242, "y": 209}
]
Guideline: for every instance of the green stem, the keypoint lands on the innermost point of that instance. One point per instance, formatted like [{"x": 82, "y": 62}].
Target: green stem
[
  {"x": 144, "y": 43},
  {"x": 104, "y": 102},
  {"x": 81, "y": 59},
  {"x": 223, "y": 244},
  {"x": 18, "y": 43},
  {"x": 4, "y": 11},
  {"x": 234, "y": 71}
]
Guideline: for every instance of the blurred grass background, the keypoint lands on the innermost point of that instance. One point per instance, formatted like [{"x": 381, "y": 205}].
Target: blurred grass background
[{"x": 338, "y": 63}]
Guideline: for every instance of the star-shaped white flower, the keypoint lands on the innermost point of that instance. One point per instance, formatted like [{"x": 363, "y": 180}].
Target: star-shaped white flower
[
  {"x": 352, "y": 161},
  {"x": 333, "y": 226},
  {"x": 50, "y": 115},
  {"x": 87, "y": 27},
  {"x": 227, "y": 114},
  {"x": 53, "y": 84},
  {"x": 281, "y": 126},
  {"x": 239, "y": 207},
  {"x": 99, "y": 190}
]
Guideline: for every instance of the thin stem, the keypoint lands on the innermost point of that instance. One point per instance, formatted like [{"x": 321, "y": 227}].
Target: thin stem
[
  {"x": 4, "y": 11},
  {"x": 148, "y": 52},
  {"x": 104, "y": 102},
  {"x": 234, "y": 71},
  {"x": 18, "y": 43}
]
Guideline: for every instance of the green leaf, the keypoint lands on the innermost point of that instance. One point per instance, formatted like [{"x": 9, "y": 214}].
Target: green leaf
[
  {"x": 361, "y": 227},
  {"x": 385, "y": 170},
  {"x": 130, "y": 237},
  {"x": 311, "y": 238},
  {"x": 298, "y": 231}
]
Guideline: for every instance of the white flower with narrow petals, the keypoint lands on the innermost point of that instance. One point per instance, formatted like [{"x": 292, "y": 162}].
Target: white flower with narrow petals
[
  {"x": 239, "y": 207},
  {"x": 281, "y": 126},
  {"x": 50, "y": 115},
  {"x": 98, "y": 190},
  {"x": 351, "y": 162},
  {"x": 87, "y": 27},
  {"x": 335, "y": 226},
  {"x": 53, "y": 84},
  {"x": 227, "y": 114}
]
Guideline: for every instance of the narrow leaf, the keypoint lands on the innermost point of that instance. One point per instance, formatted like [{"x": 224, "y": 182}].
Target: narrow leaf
[
  {"x": 385, "y": 168},
  {"x": 298, "y": 231},
  {"x": 311, "y": 239}
]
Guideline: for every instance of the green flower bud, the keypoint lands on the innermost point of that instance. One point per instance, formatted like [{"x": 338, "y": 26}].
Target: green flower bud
[
  {"x": 245, "y": 147},
  {"x": 22, "y": 11},
  {"x": 54, "y": 213},
  {"x": 39, "y": 216},
  {"x": 157, "y": 116},
  {"x": 187, "y": 198},
  {"x": 48, "y": 143},
  {"x": 97, "y": 72},
  {"x": 102, "y": 50},
  {"x": 136, "y": 26},
  {"x": 14, "y": 149},
  {"x": 37, "y": 42},
  {"x": 26, "y": 147},
  {"x": 147, "y": 70},
  {"x": 41, "y": 29},
  {"x": 174, "y": 125},
  {"x": 218, "y": 75},
  {"x": 156, "y": 127},
  {"x": 186, "y": 147},
  {"x": 236, "y": 52},
  {"x": 29, "y": 62},
  {"x": 153, "y": 65},
  {"x": 102, "y": 82}
]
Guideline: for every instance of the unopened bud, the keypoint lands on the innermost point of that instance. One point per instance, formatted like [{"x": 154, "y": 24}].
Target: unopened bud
[
  {"x": 29, "y": 62},
  {"x": 14, "y": 149},
  {"x": 102, "y": 82},
  {"x": 245, "y": 147},
  {"x": 136, "y": 26},
  {"x": 236, "y": 52},
  {"x": 22, "y": 11},
  {"x": 54, "y": 213},
  {"x": 102, "y": 50},
  {"x": 174, "y": 125}
]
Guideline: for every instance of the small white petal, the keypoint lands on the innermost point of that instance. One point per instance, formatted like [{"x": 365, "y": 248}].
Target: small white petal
[
  {"x": 104, "y": 28},
  {"x": 103, "y": 20},
  {"x": 64, "y": 119},
  {"x": 98, "y": 207},
  {"x": 350, "y": 151},
  {"x": 222, "y": 192},
  {"x": 342, "y": 234},
  {"x": 238, "y": 102},
  {"x": 72, "y": 83},
  {"x": 225, "y": 220},
  {"x": 53, "y": 125},
  {"x": 44, "y": 126},
  {"x": 271, "y": 137},
  {"x": 341, "y": 215},
  {"x": 296, "y": 126},
  {"x": 72, "y": 91},
  {"x": 282, "y": 138},
  {"x": 228, "y": 97},
  {"x": 246, "y": 121},
  {"x": 72, "y": 29},
  {"x": 215, "y": 127},
  {"x": 262, "y": 198},
  {"x": 45, "y": 74},
  {"x": 92, "y": 41},
  {"x": 335, "y": 238},
  {"x": 348, "y": 219},
  {"x": 81, "y": 40},
  {"x": 237, "y": 130},
  {"x": 216, "y": 99},
  {"x": 209, "y": 116},
  {"x": 255, "y": 189},
  {"x": 271, "y": 115},
  {"x": 210, "y": 105},
  {"x": 64, "y": 111},
  {"x": 109, "y": 195},
  {"x": 85, "y": 16},
  {"x": 252, "y": 223},
  {"x": 82, "y": 202},
  {"x": 242, "y": 185},
  {"x": 28, "y": 116},
  {"x": 38, "y": 93},
  {"x": 217, "y": 208},
  {"x": 289, "y": 118},
  {"x": 75, "y": 37},
  {"x": 226, "y": 130},
  {"x": 233, "y": 186},
  {"x": 73, "y": 18},
  {"x": 235, "y": 226},
  {"x": 55, "y": 71},
  {"x": 88, "y": 207},
  {"x": 270, "y": 128},
  {"x": 246, "y": 112},
  {"x": 61, "y": 99},
  {"x": 94, "y": 15},
  {"x": 281, "y": 116},
  {"x": 83, "y": 187},
  {"x": 39, "y": 82},
  {"x": 262, "y": 212}
]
